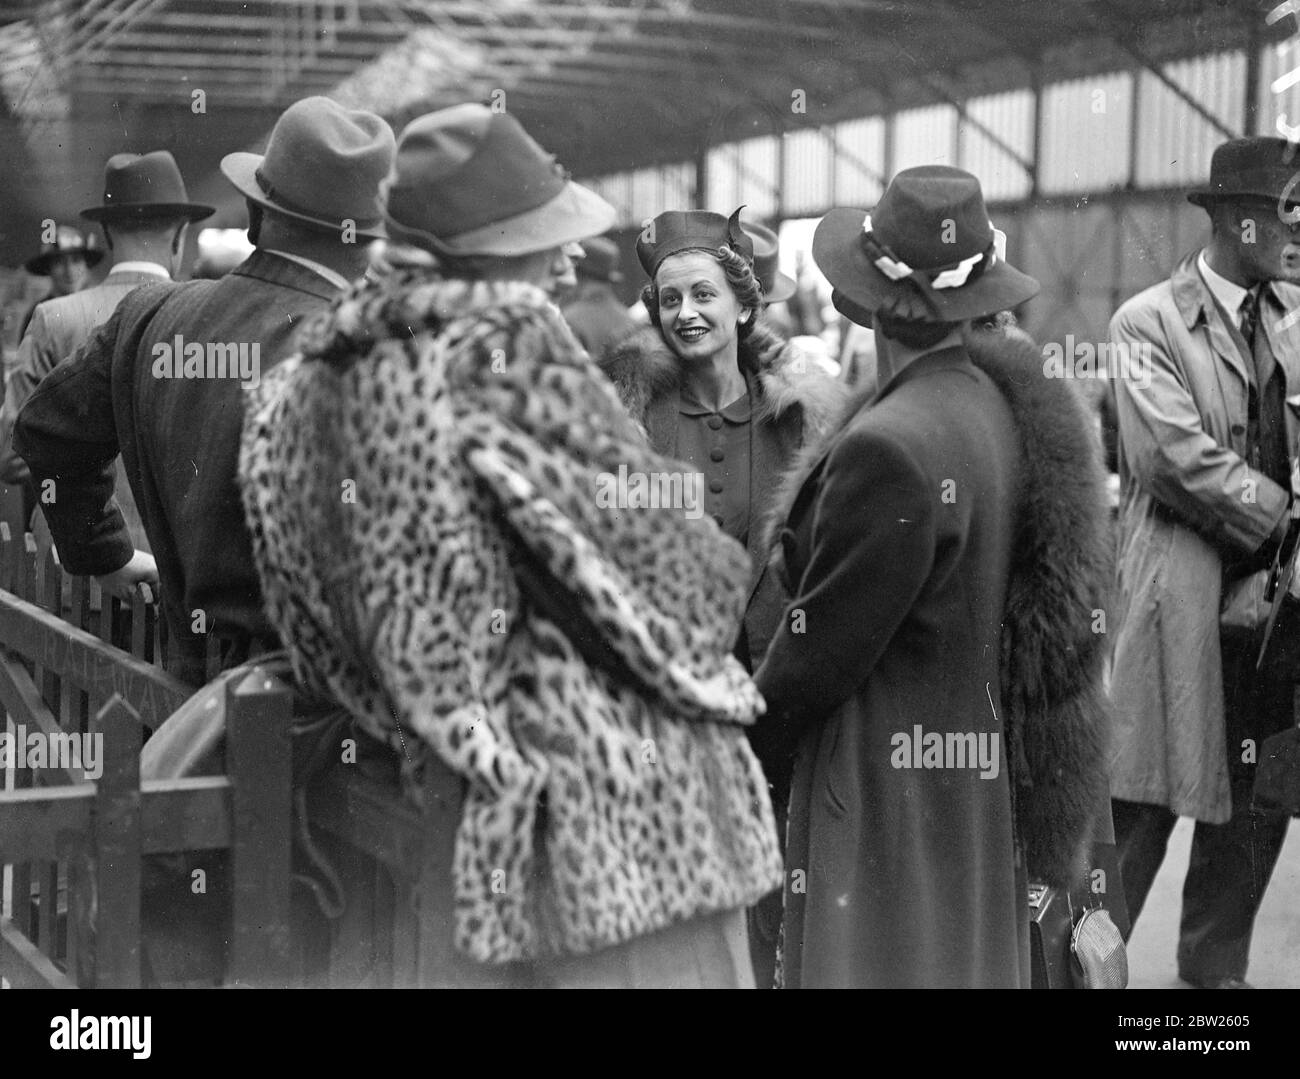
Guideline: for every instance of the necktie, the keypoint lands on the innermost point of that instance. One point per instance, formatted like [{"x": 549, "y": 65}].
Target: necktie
[{"x": 1250, "y": 317}]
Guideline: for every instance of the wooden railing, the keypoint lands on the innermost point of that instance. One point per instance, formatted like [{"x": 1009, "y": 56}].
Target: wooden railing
[
  {"x": 74, "y": 660},
  {"x": 72, "y": 849}
]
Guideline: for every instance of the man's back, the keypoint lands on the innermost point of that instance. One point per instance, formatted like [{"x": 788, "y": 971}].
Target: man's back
[
  {"x": 58, "y": 328},
  {"x": 179, "y": 439}
]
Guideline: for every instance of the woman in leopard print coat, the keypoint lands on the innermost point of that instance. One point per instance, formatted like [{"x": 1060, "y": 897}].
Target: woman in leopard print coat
[{"x": 427, "y": 488}]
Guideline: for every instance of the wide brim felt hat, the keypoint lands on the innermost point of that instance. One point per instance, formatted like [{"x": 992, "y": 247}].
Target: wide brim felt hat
[
  {"x": 140, "y": 187},
  {"x": 323, "y": 166},
  {"x": 1256, "y": 167},
  {"x": 931, "y": 223},
  {"x": 67, "y": 241},
  {"x": 470, "y": 181}
]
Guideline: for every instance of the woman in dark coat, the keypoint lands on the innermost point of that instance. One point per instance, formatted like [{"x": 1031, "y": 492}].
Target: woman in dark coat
[{"x": 935, "y": 685}]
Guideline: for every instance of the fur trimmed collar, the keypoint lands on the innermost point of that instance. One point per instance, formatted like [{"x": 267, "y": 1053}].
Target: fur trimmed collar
[
  {"x": 644, "y": 369},
  {"x": 1052, "y": 652}
]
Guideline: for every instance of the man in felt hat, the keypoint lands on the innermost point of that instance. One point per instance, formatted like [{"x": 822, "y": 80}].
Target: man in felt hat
[
  {"x": 66, "y": 260},
  {"x": 593, "y": 311},
  {"x": 163, "y": 382},
  {"x": 924, "y": 527},
  {"x": 1207, "y": 454},
  {"x": 145, "y": 215}
]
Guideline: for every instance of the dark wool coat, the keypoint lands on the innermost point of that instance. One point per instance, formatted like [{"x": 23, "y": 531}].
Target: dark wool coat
[
  {"x": 947, "y": 551},
  {"x": 796, "y": 401},
  {"x": 179, "y": 440}
]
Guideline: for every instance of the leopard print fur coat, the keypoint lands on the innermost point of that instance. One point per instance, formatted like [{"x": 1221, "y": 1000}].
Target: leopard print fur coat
[{"x": 420, "y": 486}]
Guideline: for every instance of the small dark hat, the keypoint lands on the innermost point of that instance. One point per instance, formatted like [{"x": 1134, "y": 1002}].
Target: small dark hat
[
  {"x": 1260, "y": 166},
  {"x": 68, "y": 240},
  {"x": 469, "y": 180},
  {"x": 600, "y": 260},
  {"x": 777, "y": 287},
  {"x": 675, "y": 231},
  {"x": 323, "y": 165},
  {"x": 144, "y": 186},
  {"x": 928, "y": 251}
]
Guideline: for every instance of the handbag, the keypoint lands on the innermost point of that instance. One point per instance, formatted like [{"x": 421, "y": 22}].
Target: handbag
[
  {"x": 1244, "y": 607},
  {"x": 1076, "y": 934}
]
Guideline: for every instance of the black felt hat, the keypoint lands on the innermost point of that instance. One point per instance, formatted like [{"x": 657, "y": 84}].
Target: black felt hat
[
  {"x": 927, "y": 252},
  {"x": 1258, "y": 166}
]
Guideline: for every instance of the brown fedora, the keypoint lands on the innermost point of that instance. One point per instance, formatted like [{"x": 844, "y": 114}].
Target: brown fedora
[
  {"x": 323, "y": 166},
  {"x": 143, "y": 186},
  {"x": 471, "y": 181},
  {"x": 927, "y": 252},
  {"x": 68, "y": 240}
]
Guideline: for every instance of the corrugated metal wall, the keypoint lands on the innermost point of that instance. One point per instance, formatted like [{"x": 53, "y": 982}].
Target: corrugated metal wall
[{"x": 1103, "y": 223}]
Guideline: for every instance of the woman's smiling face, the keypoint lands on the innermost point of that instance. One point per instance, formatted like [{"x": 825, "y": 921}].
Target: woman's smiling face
[{"x": 698, "y": 312}]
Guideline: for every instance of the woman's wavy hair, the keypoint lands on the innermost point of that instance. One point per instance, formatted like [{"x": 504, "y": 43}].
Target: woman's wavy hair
[{"x": 740, "y": 275}]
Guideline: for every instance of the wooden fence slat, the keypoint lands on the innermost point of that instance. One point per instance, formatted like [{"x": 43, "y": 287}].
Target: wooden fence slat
[
  {"x": 20, "y": 698},
  {"x": 89, "y": 663},
  {"x": 259, "y": 711},
  {"x": 118, "y": 848},
  {"x": 139, "y": 605},
  {"x": 8, "y": 558},
  {"x": 27, "y": 567},
  {"x": 23, "y": 964},
  {"x": 51, "y": 598},
  {"x": 78, "y": 700}
]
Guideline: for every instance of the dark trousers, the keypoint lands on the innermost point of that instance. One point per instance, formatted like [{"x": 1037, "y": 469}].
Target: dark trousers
[{"x": 1230, "y": 863}]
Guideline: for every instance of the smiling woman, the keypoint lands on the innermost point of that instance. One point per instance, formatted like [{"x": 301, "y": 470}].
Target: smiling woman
[{"x": 716, "y": 389}]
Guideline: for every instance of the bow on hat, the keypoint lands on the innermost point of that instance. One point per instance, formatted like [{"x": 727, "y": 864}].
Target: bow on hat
[{"x": 955, "y": 276}]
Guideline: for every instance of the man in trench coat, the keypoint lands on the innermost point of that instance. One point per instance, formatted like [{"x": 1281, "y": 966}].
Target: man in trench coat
[{"x": 1207, "y": 443}]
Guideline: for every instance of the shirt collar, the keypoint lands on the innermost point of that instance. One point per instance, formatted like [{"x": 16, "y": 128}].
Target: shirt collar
[
  {"x": 151, "y": 268},
  {"x": 1228, "y": 293},
  {"x": 335, "y": 279}
]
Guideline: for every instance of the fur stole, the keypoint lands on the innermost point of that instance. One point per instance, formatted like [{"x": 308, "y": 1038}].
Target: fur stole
[
  {"x": 1052, "y": 654},
  {"x": 644, "y": 369}
]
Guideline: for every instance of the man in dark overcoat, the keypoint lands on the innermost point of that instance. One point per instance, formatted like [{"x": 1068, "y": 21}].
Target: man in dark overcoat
[
  {"x": 913, "y": 533},
  {"x": 163, "y": 383}
]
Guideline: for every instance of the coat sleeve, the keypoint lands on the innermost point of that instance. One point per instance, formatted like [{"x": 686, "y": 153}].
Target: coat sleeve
[
  {"x": 37, "y": 357},
  {"x": 1170, "y": 453},
  {"x": 872, "y": 551},
  {"x": 67, "y": 433}
]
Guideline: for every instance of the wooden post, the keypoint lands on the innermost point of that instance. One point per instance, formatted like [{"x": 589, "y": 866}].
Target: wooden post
[
  {"x": 117, "y": 848},
  {"x": 259, "y": 761}
]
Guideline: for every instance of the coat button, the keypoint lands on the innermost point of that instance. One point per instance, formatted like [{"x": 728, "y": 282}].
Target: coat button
[
  {"x": 716, "y": 454},
  {"x": 1238, "y": 428},
  {"x": 715, "y": 486},
  {"x": 715, "y": 422}
]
